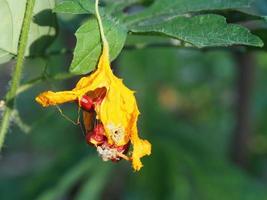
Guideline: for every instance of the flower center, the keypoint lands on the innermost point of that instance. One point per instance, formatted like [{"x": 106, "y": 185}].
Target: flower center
[
  {"x": 96, "y": 135},
  {"x": 107, "y": 152}
]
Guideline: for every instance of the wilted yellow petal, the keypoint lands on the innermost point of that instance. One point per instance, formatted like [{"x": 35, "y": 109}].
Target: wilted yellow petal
[
  {"x": 140, "y": 149},
  {"x": 118, "y": 111},
  {"x": 53, "y": 98}
]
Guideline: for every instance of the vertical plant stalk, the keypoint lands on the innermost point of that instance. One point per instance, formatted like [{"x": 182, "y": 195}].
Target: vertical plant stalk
[
  {"x": 242, "y": 134},
  {"x": 16, "y": 75}
]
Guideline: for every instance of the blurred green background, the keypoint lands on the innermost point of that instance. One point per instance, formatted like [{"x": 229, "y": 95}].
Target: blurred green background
[{"x": 204, "y": 111}]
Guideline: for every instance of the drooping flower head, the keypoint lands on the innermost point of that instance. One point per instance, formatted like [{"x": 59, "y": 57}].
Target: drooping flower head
[{"x": 110, "y": 111}]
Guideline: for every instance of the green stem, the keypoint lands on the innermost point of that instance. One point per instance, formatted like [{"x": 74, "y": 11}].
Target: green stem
[
  {"x": 16, "y": 75},
  {"x": 41, "y": 79}
]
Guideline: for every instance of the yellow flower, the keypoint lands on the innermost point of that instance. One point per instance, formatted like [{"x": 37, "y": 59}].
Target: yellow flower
[{"x": 116, "y": 110}]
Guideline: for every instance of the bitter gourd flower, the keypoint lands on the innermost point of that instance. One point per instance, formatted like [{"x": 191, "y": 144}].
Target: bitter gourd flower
[{"x": 110, "y": 112}]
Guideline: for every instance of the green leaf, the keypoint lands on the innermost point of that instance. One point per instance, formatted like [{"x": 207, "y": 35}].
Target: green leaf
[
  {"x": 181, "y": 7},
  {"x": 11, "y": 15},
  {"x": 88, "y": 47},
  {"x": 202, "y": 31},
  {"x": 75, "y": 7}
]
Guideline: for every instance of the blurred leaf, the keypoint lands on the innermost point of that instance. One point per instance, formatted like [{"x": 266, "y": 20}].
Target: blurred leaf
[
  {"x": 202, "y": 31},
  {"x": 96, "y": 183},
  {"x": 4, "y": 56},
  {"x": 11, "y": 14},
  {"x": 257, "y": 8},
  {"x": 67, "y": 181},
  {"x": 88, "y": 46},
  {"x": 75, "y": 7}
]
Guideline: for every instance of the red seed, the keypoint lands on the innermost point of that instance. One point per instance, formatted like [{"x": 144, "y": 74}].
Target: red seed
[
  {"x": 86, "y": 103},
  {"x": 92, "y": 138},
  {"x": 97, "y": 136},
  {"x": 99, "y": 129}
]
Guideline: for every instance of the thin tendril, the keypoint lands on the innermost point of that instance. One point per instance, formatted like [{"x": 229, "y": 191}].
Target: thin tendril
[
  {"x": 58, "y": 108},
  {"x": 78, "y": 115},
  {"x": 65, "y": 116},
  {"x": 79, "y": 123}
]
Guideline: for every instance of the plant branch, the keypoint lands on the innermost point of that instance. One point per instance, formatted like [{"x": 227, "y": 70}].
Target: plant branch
[
  {"x": 16, "y": 75},
  {"x": 41, "y": 79},
  {"x": 52, "y": 53},
  {"x": 242, "y": 134}
]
